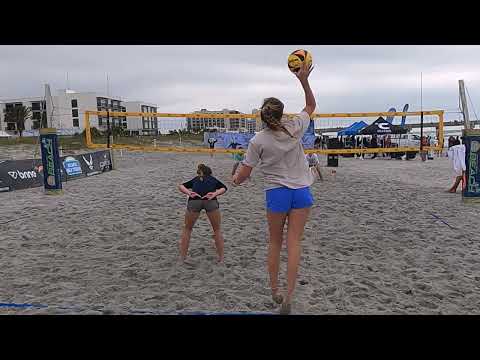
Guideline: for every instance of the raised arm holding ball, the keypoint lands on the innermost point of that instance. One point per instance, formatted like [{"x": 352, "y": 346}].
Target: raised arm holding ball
[{"x": 279, "y": 154}]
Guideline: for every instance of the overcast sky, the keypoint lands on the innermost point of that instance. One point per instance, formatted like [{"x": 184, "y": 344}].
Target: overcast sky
[{"x": 187, "y": 78}]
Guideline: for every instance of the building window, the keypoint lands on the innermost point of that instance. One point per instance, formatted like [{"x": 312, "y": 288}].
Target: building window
[
  {"x": 11, "y": 126},
  {"x": 75, "y": 112},
  {"x": 100, "y": 121},
  {"x": 35, "y": 106},
  {"x": 102, "y": 102},
  {"x": 8, "y": 107},
  {"x": 74, "y": 103},
  {"x": 75, "y": 123},
  {"x": 36, "y": 115}
]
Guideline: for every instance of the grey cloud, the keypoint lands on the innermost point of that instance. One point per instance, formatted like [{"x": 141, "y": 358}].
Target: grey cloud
[{"x": 186, "y": 78}]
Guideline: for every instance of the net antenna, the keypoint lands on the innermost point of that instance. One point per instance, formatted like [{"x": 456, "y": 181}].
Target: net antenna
[
  {"x": 464, "y": 105},
  {"x": 404, "y": 117},
  {"x": 471, "y": 103},
  {"x": 50, "y": 107},
  {"x": 421, "y": 111}
]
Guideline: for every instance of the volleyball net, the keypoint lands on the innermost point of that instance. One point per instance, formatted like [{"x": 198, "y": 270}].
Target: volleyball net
[{"x": 337, "y": 133}]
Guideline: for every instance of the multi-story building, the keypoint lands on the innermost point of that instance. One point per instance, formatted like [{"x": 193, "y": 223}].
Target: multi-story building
[
  {"x": 259, "y": 125},
  {"x": 67, "y": 110},
  {"x": 194, "y": 124},
  {"x": 38, "y": 113},
  {"x": 106, "y": 103},
  {"x": 226, "y": 124},
  {"x": 248, "y": 125},
  {"x": 142, "y": 125}
]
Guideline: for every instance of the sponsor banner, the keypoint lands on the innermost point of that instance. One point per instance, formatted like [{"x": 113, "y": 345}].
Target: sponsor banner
[
  {"x": 71, "y": 167},
  {"x": 24, "y": 174},
  {"x": 52, "y": 172},
  {"x": 472, "y": 162},
  {"x": 95, "y": 163},
  {"x": 20, "y": 174}
]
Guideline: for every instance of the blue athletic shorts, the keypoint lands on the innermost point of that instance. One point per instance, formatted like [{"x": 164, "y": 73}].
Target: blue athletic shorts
[{"x": 282, "y": 199}]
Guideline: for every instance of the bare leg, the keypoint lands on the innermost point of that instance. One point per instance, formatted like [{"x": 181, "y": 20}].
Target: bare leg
[
  {"x": 190, "y": 219},
  {"x": 297, "y": 219},
  {"x": 317, "y": 167},
  {"x": 215, "y": 220},
  {"x": 453, "y": 189},
  {"x": 276, "y": 223},
  {"x": 235, "y": 166}
]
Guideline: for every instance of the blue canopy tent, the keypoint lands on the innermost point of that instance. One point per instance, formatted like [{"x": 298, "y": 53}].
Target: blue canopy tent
[{"x": 353, "y": 129}]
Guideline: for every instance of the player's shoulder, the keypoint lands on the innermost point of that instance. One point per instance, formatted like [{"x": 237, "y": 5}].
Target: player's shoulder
[{"x": 303, "y": 115}]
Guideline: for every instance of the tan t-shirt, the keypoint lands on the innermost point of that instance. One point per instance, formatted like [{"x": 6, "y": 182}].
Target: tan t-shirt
[{"x": 280, "y": 157}]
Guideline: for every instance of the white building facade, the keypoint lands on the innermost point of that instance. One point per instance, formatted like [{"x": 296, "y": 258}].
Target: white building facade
[
  {"x": 67, "y": 113},
  {"x": 69, "y": 110},
  {"x": 142, "y": 125}
]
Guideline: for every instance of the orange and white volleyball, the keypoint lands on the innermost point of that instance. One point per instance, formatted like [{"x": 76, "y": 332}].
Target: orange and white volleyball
[{"x": 297, "y": 58}]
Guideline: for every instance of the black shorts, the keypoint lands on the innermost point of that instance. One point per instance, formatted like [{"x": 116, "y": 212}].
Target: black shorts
[{"x": 196, "y": 205}]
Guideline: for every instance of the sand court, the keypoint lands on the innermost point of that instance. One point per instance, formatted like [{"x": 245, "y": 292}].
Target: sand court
[{"x": 384, "y": 238}]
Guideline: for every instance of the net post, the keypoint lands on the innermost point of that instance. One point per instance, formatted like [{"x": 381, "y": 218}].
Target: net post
[
  {"x": 113, "y": 165},
  {"x": 441, "y": 130},
  {"x": 88, "y": 134},
  {"x": 421, "y": 131},
  {"x": 108, "y": 129}
]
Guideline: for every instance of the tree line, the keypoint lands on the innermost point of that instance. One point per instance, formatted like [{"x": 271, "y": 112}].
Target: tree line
[{"x": 19, "y": 115}]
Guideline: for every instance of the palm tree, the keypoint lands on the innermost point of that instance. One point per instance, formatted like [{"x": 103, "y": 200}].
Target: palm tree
[{"x": 18, "y": 115}]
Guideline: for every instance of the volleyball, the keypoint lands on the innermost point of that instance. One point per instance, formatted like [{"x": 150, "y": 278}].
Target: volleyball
[{"x": 296, "y": 59}]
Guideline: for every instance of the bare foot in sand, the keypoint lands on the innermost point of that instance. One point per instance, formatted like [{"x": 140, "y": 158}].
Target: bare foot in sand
[
  {"x": 286, "y": 309},
  {"x": 277, "y": 297}
]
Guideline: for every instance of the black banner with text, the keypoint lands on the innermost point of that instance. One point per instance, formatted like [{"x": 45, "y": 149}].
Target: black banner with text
[{"x": 25, "y": 174}]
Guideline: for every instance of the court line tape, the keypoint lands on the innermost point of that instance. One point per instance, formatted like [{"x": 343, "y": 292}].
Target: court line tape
[
  {"x": 134, "y": 311},
  {"x": 22, "y": 306},
  {"x": 443, "y": 221}
]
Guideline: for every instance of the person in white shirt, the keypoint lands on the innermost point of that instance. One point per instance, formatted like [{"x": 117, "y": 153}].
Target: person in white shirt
[
  {"x": 456, "y": 154},
  {"x": 314, "y": 163},
  {"x": 278, "y": 153}
]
